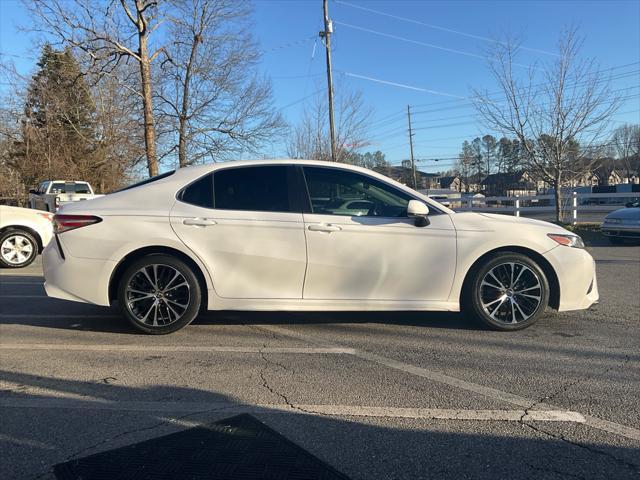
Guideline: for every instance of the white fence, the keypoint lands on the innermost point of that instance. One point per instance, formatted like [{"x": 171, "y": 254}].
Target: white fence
[{"x": 586, "y": 207}]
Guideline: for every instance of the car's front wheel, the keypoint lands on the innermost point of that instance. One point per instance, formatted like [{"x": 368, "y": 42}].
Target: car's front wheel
[
  {"x": 509, "y": 291},
  {"x": 159, "y": 294},
  {"x": 18, "y": 248}
]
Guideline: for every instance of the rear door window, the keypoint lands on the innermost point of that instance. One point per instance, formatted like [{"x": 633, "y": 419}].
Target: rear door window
[
  {"x": 258, "y": 189},
  {"x": 200, "y": 192}
]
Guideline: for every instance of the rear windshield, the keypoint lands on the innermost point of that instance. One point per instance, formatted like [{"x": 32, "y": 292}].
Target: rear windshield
[
  {"x": 70, "y": 187},
  {"x": 146, "y": 181}
]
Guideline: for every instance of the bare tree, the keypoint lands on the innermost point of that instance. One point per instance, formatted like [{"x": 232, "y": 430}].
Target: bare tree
[
  {"x": 107, "y": 32},
  {"x": 213, "y": 99},
  {"x": 626, "y": 143},
  {"x": 571, "y": 103},
  {"x": 310, "y": 138}
]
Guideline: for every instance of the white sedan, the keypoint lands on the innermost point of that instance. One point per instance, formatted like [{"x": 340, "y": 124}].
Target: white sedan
[
  {"x": 23, "y": 234},
  {"x": 258, "y": 236}
]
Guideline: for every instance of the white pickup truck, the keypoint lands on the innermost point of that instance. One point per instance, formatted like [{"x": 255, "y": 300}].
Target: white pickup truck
[{"x": 52, "y": 194}]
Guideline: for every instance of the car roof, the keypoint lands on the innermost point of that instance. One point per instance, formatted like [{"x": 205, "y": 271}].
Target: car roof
[
  {"x": 139, "y": 195},
  {"x": 202, "y": 169}
]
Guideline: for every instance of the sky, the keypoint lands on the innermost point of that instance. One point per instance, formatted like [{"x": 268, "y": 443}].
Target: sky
[{"x": 427, "y": 54}]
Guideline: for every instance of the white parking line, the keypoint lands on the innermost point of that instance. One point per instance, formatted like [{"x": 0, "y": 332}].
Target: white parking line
[
  {"x": 333, "y": 410},
  {"x": 175, "y": 348},
  {"x": 595, "y": 422}
]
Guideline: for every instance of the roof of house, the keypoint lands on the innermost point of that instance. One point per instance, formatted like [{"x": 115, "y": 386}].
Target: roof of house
[
  {"x": 504, "y": 178},
  {"x": 446, "y": 181}
]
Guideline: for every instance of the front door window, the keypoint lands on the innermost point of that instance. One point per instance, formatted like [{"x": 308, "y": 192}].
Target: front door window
[{"x": 340, "y": 192}]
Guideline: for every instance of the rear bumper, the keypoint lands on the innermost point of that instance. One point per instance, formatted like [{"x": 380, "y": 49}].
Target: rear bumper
[
  {"x": 79, "y": 280},
  {"x": 576, "y": 271}
]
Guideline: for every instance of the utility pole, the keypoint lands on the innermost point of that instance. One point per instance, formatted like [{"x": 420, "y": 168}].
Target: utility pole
[
  {"x": 413, "y": 162},
  {"x": 326, "y": 35}
]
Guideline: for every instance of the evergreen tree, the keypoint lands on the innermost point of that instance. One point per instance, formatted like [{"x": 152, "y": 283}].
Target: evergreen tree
[
  {"x": 59, "y": 131},
  {"x": 489, "y": 145}
]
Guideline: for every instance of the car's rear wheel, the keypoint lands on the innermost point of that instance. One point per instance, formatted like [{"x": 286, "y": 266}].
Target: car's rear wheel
[
  {"x": 18, "y": 248},
  {"x": 509, "y": 291},
  {"x": 159, "y": 294}
]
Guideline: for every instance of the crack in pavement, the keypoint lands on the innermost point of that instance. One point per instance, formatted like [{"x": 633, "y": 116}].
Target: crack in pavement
[
  {"x": 265, "y": 383},
  {"x": 632, "y": 466},
  {"x": 569, "y": 385}
]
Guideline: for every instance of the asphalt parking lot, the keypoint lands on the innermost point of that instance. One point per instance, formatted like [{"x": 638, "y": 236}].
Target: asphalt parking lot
[{"x": 376, "y": 395}]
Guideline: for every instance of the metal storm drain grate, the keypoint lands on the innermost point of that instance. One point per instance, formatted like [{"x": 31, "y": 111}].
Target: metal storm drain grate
[{"x": 240, "y": 447}]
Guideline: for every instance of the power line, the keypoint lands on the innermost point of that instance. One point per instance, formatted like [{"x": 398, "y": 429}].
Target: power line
[
  {"x": 295, "y": 102},
  {"x": 401, "y": 85},
  {"x": 437, "y": 27},
  {"x": 290, "y": 44},
  {"x": 468, "y": 104},
  {"x": 614, "y": 77},
  {"x": 624, "y": 98},
  {"x": 457, "y": 157},
  {"x": 424, "y": 44}
]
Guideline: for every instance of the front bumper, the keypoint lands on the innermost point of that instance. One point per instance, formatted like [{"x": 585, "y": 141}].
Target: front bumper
[
  {"x": 621, "y": 230},
  {"x": 576, "y": 272},
  {"x": 79, "y": 280}
]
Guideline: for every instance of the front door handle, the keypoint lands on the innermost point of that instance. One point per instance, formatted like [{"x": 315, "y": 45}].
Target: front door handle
[
  {"x": 199, "y": 222},
  {"x": 324, "y": 227}
]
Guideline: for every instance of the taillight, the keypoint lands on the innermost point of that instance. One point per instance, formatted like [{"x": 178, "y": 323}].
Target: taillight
[{"x": 64, "y": 223}]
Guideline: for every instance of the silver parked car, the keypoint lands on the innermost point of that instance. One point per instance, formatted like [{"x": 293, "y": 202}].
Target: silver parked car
[{"x": 623, "y": 224}]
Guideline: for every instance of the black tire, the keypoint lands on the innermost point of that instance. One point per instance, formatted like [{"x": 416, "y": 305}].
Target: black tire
[
  {"x": 481, "y": 297},
  {"x": 26, "y": 238},
  {"x": 165, "y": 298},
  {"x": 616, "y": 240}
]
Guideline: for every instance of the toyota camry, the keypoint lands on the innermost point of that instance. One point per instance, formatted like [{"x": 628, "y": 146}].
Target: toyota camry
[{"x": 276, "y": 235}]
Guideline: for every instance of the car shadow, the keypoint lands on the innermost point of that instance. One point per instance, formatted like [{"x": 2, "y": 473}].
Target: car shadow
[
  {"x": 54, "y": 420},
  {"x": 108, "y": 320},
  {"x": 27, "y": 304},
  {"x": 446, "y": 320}
]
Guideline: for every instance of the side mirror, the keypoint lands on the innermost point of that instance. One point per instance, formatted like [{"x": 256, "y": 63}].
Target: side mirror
[
  {"x": 32, "y": 191},
  {"x": 419, "y": 211}
]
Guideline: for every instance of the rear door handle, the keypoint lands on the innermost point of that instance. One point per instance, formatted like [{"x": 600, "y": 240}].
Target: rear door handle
[
  {"x": 324, "y": 227},
  {"x": 199, "y": 222}
]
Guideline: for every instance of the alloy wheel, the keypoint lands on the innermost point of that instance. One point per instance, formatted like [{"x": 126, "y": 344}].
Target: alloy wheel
[
  {"x": 511, "y": 293},
  {"x": 157, "y": 295}
]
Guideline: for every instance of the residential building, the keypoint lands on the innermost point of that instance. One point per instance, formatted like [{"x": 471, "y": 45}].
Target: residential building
[
  {"x": 404, "y": 175},
  {"x": 511, "y": 184}
]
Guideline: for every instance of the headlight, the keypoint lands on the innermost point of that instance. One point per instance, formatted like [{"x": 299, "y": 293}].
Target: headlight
[{"x": 567, "y": 240}]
